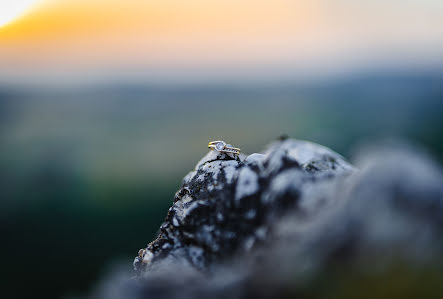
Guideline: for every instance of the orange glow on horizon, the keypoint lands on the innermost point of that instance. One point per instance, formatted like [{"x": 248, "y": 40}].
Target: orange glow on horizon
[
  {"x": 155, "y": 28},
  {"x": 76, "y": 34}
]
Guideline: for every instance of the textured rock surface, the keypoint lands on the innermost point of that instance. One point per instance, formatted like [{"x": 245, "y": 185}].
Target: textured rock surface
[
  {"x": 228, "y": 205},
  {"x": 298, "y": 221}
]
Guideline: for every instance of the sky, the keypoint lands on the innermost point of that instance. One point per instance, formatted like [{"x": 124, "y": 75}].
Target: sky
[{"x": 200, "y": 39}]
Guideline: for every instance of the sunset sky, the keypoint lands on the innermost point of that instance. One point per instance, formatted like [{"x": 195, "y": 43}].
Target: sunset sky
[{"x": 80, "y": 39}]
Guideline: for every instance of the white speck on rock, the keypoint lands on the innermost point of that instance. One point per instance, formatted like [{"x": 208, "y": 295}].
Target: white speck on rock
[
  {"x": 261, "y": 232},
  {"x": 201, "y": 178},
  {"x": 189, "y": 177},
  {"x": 166, "y": 245},
  {"x": 187, "y": 210},
  {"x": 249, "y": 243},
  {"x": 229, "y": 169},
  {"x": 254, "y": 158},
  {"x": 247, "y": 183},
  {"x": 250, "y": 214},
  {"x": 305, "y": 152},
  {"x": 196, "y": 255},
  {"x": 147, "y": 257},
  {"x": 187, "y": 198},
  {"x": 242, "y": 157},
  {"x": 213, "y": 168},
  {"x": 287, "y": 180},
  {"x": 220, "y": 217}
]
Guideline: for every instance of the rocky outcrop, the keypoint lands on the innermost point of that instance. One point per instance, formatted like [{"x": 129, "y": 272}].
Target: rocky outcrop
[
  {"x": 227, "y": 205},
  {"x": 295, "y": 221}
]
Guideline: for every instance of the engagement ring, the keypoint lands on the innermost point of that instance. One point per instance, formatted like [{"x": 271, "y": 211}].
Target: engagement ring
[{"x": 222, "y": 147}]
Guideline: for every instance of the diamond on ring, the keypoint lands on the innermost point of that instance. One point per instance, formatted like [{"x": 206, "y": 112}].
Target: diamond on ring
[{"x": 222, "y": 147}]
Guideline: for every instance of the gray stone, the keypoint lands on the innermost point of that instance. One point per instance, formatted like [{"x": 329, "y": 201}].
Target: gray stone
[
  {"x": 275, "y": 224},
  {"x": 227, "y": 202}
]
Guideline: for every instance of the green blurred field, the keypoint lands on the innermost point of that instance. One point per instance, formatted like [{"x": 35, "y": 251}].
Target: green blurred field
[{"x": 87, "y": 174}]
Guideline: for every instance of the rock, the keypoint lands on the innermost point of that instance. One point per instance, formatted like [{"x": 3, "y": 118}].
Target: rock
[
  {"x": 298, "y": 221},
  {"x": 227, "y": 204}
]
